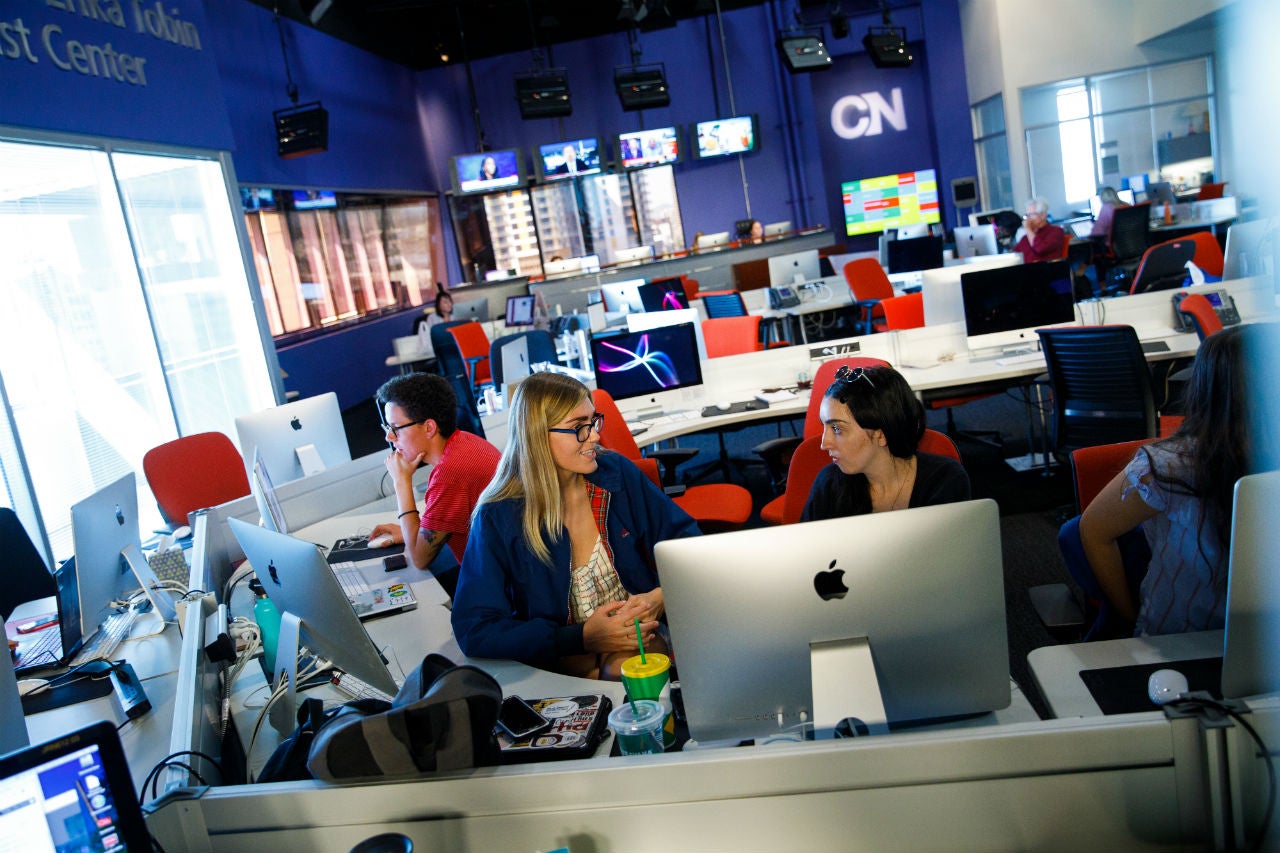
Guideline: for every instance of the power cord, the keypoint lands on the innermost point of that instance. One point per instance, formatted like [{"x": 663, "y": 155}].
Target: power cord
[{"x": 153, "y": 777}]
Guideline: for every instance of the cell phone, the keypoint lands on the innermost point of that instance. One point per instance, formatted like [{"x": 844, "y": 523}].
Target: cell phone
[
  {"x": 395, "y": 561},
  {"x": 38, "y": 623},
  {"x": 519, "y": 720}
]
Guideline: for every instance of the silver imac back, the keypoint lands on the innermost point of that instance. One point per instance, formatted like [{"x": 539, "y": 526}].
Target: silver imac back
[{"x": 1251, "y": 653}]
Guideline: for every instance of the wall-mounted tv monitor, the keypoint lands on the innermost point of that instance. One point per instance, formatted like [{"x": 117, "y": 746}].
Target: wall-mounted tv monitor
[
  {"x": 570, "y": 159},
  {"x": 314, "y": 199},
  {"x": 654, "y": 147},
  {"x": 723, "y": 136},
  {"x": 639, "y": 364},
  {"x": 253, "y": 199},
  {"x": 1004, "y": 306},
  {"x": 872, "y": 205},
  {"x": 488, "y": 171}
]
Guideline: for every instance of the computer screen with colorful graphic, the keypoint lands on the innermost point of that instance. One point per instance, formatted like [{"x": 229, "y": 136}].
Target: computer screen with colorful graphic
[
  {"x": 723, "y": 136},
  {"x": 664, "y": 294},
  {"x": 637, "y": 364},
  {"x": 872, "y": 205}
]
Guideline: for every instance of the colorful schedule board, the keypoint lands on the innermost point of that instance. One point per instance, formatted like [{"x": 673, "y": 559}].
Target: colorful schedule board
[{"x": 892, "y": 201}]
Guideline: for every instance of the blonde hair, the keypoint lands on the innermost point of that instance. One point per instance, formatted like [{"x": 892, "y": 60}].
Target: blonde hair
[{"x": 527, "y": 469}]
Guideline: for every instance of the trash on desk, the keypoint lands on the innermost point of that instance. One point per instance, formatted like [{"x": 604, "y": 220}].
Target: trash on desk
[{"x": 776, "y": 396}]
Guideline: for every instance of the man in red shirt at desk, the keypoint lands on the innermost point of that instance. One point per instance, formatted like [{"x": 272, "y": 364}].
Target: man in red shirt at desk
[{"x": 1041, "y": 240}]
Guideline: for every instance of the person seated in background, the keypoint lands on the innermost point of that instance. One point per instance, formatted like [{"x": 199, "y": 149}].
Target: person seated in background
[
  {"x": 1041, "y": 239},
  {"x": 420, "y": 416},
  {"x": 749, "y": 231},
  {"x": 1180, "y": 489},
  {"x": 443, "y": 311},
  {"x": 1110, "y": 201},
  {"x": 560, "y": 565},
  {"x": 871, "y": 426}
]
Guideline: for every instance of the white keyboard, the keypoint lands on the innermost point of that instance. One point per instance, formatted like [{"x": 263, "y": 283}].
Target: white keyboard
[
  {"x": 672, "y": 417},
  {"x": 350, "y": 578},
  {"x": 102, "y": 645},
  {"x": 1024, "y": 358},
  {"x": 357, "y": 689}
]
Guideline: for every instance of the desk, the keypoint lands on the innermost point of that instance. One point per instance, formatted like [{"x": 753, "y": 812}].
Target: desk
[{"x": 408, "y": 351}]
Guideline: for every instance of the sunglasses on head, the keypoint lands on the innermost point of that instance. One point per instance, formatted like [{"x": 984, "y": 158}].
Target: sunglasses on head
[{"x": 852, "y": 374}]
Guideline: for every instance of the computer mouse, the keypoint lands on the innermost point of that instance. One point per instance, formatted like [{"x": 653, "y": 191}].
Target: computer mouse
[
  {"x": 724, "y": 405},
  {"x": 381, "y": 541},
  {"x": 182, "y": 532},
  {"x": 1166, "y": 685},
  {"x": 31, "y": 685}
]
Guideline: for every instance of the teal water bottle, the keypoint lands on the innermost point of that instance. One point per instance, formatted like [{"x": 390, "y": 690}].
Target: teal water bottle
[{"x": 268, "y": 619}]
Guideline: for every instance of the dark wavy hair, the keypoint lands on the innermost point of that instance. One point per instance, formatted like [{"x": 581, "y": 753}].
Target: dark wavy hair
[
  {"x": 879, "y": 398},
  {"x": 1216, "y": 428},
  {"x": 423, "y": 396}
]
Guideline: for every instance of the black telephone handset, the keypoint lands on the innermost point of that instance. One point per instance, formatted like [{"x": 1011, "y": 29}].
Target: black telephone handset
[{"x": 783, "y": 297}]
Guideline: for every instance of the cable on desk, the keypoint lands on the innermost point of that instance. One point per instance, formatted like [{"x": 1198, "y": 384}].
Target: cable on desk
[
  {"x": 153, "y": 776},
  {"x": 315, "y": 666},
  {"x": 238, "y": 575}
]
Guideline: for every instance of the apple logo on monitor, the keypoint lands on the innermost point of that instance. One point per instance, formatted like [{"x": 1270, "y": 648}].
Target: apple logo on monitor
[
  {"x": 295, "y": 423},
  {"x": 830, "y": 584},
  {"x": 119, "y": 516}
]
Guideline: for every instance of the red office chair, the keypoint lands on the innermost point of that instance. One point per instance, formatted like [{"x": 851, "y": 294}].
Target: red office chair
[
  {"x": 473, "y": 344},
  {"x": 939, "y": 444},
  {"x": 194, "y": 472},
  {"x": 690, "y": 286},
  {"x": 1203, "y": 317},
  {"x": 1210, "y": 191},
  {"x": 731, "y": 335},
  {"x": 1208, "y": 255},
  {"x": 869, "y": 284},
  {"x": 903, "y": 312},
  {"x": 716, "y": 507}
]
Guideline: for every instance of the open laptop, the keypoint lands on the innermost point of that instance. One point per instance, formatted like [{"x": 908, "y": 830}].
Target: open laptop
[
  {"x": 53, "y": 647},
  {"x": 72, "y": 793}
]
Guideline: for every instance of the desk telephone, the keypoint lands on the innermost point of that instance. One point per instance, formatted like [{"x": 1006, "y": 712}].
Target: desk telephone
[
  {"x": 1223, "y": 305},
  {"x": 783, "y": 297}
]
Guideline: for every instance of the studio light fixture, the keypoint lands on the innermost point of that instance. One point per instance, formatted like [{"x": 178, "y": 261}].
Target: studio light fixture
[
  {"x": 544, "y": 94},
  {"x": 839, "y": 21},
  {"x": 301, "y": 129},
  {"x": 641, "y": 87},
  {"x": 804, "y": 51},
  {"x": 887, "y": 45}
]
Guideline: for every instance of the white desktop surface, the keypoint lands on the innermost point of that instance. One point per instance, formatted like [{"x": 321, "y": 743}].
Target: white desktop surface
[{"x": 1057, "y": 669}]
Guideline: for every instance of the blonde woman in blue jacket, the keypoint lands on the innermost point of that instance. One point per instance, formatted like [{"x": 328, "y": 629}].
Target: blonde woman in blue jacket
[{"x": 560, "y": 563}]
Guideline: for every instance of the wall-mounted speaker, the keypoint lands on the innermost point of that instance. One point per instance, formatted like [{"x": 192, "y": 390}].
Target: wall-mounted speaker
[
  {"x": 544, "y": 95},
  {"x": 302, "y": 130},
  {"x": 641, "y": 88}
]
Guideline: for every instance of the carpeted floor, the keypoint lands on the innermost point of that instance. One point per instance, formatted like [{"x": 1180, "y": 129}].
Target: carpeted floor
[{"x": 1032, "y": 504}]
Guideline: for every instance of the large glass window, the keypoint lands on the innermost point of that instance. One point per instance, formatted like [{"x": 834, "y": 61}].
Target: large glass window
[
  {"x": 128, "y": 321},
  {"x": 991, "y": 145}
]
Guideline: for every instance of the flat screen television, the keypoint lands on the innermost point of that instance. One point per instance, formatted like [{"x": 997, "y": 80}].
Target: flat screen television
[
  {"x": 724, "y": 136},
  {"x": 872, "y": 205},
  {"x": 572, "y": 158},
  {"x": 655, "y": 147},
  {"x": 1004, "y": 306},
  {"x": 641, "y": 364},
  {"x": 314, "y": 199},
  {"x": 253, "y": 199},
  {"x": 488, "y": 171}
]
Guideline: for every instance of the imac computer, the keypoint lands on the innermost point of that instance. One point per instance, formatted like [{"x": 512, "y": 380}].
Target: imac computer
[
  {"x": 663, "y": 294},
  {"x": 712, "y": 241},
  {"x": 913, "y": 254},
  {"x": 264, "y": 495},
  {"x": 973, "y": 241},
  {"x": 103, "y": 525},
  {"x": 777, "y": 229},
  {"x": 915, "y": 229},
  {"x": 561, "y": 267},
  {"x": 1159, "y": 193},
  {"x": 634, "y": 254},
  {"x": 655, "y": 319},
  {"x": 622, "y": 297},
  {"x": 891, "y": 618},
  {"x": 940, "y": 287},
  {"x": 296, "y": 439},
  {"x": 1004, "y": 306},
  {"x": 472, "y": 309},
  {"x": 1095, "y": 203},
  {"x": 1252, "y": 249},
  {"x": 988, "y": 217},
  {"x": 520, "y": 311},
  {"x": 645, "y": 366},
  {"x": 1250, "y": 663},
  {"x": 794, "y": 268}
]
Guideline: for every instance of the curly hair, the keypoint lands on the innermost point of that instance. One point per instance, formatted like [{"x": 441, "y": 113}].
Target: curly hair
[{"x": 423, "y": 396}]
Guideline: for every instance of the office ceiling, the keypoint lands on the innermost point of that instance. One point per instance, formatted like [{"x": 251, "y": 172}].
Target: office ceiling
[{"x": 417, "y": 33}]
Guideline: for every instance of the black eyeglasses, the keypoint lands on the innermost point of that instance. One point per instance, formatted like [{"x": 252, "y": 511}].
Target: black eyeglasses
[
  {"x": 582, "y": 431},
  {"x": 852, "y": 374},
  {"x": 394, "y": 429}
]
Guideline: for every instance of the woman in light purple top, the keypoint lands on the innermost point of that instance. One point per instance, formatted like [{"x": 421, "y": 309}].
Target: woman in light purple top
[{"x": 1180, "y": 489}]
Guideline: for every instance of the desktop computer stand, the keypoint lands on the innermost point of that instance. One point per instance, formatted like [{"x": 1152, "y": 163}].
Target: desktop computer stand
[{"x": 844, "y": 685}]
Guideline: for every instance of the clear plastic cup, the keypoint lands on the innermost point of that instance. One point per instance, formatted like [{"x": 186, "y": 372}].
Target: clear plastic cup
[{"x": 638, "y": 726}]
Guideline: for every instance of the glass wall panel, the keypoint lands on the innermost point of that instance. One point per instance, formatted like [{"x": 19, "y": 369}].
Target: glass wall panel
[
  {"x": 1121, "y": 91},
  {"x": 1124, "y": 146},
  {"x": 557, "y": 213},
  {"x": 1180, "y": 80},
  {"x": 988, "y": 116},
  {"x": 658, "y": 209},
  {"x": 610, "y": 215}
]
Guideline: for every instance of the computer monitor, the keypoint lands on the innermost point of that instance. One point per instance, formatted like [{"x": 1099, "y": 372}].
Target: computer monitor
[
  {"x": 889, "y": 202},
  {"x": 972, "y": 241},
  {"x": 914, "y": 254},
  {"x": 520, "y": 311},
  {"x": 940, "y": 287},
  {"x": 569, "y": 159},
  {"x": 644, "y": 364},
  {"x": 656, "y": 319},
  {"x": 1095, "y": 203},
  {"x": 663, "y": 294},
  {"x": 1135, "y": 183},
  {"x": 298, "y": 580},
  {"x": 264, "y": 495},
  {"x": 712, "y": 241},
  {"x": 633, "y": 254},
  {"x": 1250, "y": 663},
  {"x": 561, "y": 267},
  {"x": 653, "y": 147},
  {"x": 910, "y": 232},
  {"x": 1252, "y": 249},
  {"x": 488, "y": 171},
  {"x": 622, "y": 297},
  {"x": 1004, "y": 306},
  {"x": 472, "y": 309},
  {"x": 102, "y": 526},
  {"x": 923, "y": 588},
  {"x": 794, "y": 267},
  {"x": 777, "y": 229},
  {"x": 296, "y": 439},
  {"x": 988, "y": 217},
  {"x": 1160, "y": 192},
  {"x": 514, "y": 358}
]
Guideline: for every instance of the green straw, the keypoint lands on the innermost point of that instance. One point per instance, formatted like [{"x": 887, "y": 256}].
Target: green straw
[{"x": 640, "y": 642}]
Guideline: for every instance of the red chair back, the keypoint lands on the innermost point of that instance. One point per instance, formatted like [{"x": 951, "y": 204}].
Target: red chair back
[
  {"x": 473, "y": 343},
  {"x": 1208, "y": 254},
  {"x": 731, "y": 335},
  {"x": 903, "y": 312},
  {"x": 806, "y": 462},
  {"x": 1210, "y": 191},
  {"x": 1094, "y": 467},
  {"x": 822, "y": 379},
  {"x": 194, "y": 472},
  {"x": 939, "y": 444},
  {"x": 867, "y": 279}
]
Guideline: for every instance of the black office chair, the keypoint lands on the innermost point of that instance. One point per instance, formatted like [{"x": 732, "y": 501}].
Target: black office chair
[
  {"x": 1130, "y": 236},
  {"x": 468, "y": 416},
  {"x": 1164, "y": 266},
  {"x": 26, "y": 577},
  {"x": 1102, "y": 390},
  {"x": 723, "y": 303},
  {"x": 542, "y": 347}
]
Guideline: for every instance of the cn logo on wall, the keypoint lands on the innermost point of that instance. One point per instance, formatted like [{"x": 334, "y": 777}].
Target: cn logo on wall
[{"x": 855, "y": 116}]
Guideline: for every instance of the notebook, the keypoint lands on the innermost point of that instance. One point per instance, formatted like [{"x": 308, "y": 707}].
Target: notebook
[
  {"x": 74, "y": 792},
  {"x": 54, "y": 646}
]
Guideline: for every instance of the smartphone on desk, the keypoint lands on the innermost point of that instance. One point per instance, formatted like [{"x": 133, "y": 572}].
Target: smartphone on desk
[
  {"x": 393, "y": 562},
  {"x": 518, "y": 719}
]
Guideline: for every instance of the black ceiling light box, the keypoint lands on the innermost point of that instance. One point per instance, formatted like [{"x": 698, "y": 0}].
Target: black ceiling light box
[
  {"x": 302, "y": 130},
  {"x": 544, "y": 94},
  {"x": 804, "y": 52},
  {"x": 887, "y": 47},
  {"x": 641, "y": 88}
]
